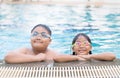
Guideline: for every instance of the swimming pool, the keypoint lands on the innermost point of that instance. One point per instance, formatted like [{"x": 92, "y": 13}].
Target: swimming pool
[{"x": 101, "y": 24}]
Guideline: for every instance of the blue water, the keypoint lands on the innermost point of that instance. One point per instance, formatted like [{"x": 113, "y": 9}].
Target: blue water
[{"x": 102, "y": 25}]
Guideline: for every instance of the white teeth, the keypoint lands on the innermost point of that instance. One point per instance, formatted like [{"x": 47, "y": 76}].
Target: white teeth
[{"x": 82, "y": 49}]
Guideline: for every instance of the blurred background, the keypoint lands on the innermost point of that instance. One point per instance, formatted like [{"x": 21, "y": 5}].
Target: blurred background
[{"x": 99, "y": 19}]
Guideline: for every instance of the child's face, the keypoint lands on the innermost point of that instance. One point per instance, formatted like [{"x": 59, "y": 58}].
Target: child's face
[
  {"x": 82, "y": 46},
  {"x": 40, "y": 38}
]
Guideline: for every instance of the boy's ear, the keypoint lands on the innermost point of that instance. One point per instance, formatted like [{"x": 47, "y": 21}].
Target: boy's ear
[{"x": 50, "y": 40}]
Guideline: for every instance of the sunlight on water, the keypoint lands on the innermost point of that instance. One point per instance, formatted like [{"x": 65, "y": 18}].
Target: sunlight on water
[{"x": 101, "y": 24}]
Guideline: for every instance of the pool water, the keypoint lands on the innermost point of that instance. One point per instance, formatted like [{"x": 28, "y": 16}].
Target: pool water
[{"x": 102, "y": 25}]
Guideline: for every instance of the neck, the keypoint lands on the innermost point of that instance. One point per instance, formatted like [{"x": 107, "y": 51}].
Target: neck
[{"x": 37, "y": 51}]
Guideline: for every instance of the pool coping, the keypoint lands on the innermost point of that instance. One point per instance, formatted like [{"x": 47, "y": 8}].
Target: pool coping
[{"x": 65, "y": 64}]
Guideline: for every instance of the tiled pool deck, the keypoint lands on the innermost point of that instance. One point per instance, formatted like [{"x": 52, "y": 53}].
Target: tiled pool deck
[{"x": 76, "y": 69}]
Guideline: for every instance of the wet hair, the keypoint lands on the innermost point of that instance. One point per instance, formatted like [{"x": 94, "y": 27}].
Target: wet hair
[
  {"x": 84, "y": 35},
  {"x": 44, "y": 26}
]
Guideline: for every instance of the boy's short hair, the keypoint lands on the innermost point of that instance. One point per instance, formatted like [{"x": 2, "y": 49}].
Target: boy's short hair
[{"x": 44, "y": 26}]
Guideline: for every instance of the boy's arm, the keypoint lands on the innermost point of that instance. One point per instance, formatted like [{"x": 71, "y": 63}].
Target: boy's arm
[{"x": 20, "y": 56}]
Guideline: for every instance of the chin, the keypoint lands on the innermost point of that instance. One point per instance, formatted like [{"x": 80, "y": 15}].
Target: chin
[
  {"x": 82, "y": 54},
  {"x": 37, "y": 45}
]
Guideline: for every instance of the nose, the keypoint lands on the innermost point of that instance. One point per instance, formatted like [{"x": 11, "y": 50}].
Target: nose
[
  {"x": 82, "y": 45},
  {"x": 39, "y": 37}
]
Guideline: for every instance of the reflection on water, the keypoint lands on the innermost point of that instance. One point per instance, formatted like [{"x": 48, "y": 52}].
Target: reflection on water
[{"x": 101, "y": 24}]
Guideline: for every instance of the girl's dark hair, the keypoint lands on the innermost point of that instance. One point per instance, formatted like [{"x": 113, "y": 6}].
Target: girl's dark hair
[
  {"x": 44, "y": 26},
  {"x": 81, "y": 34}
]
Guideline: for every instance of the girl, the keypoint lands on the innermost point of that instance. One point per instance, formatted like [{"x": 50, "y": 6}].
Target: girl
[{"x": 81, "y": 47}]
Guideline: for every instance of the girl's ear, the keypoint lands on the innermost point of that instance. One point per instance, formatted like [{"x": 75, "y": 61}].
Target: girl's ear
[
  {"x": 73, "y": 48},
  {"x": 90, "y": 47}
]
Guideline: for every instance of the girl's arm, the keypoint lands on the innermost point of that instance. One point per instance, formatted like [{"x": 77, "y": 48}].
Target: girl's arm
[
  {"x": 67, "y": 58},
  {"x": 102, "y": 56}
]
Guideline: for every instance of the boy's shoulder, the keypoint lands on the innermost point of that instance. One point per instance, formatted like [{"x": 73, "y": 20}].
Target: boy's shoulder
[
  {"x": 54, "y": 52},
  {"x": 23, "y": 50}
]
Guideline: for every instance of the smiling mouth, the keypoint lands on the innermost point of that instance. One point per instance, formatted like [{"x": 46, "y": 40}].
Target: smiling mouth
[
  {"x": 38, "y": 41},
  {"x": 81, "y": 51}
]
